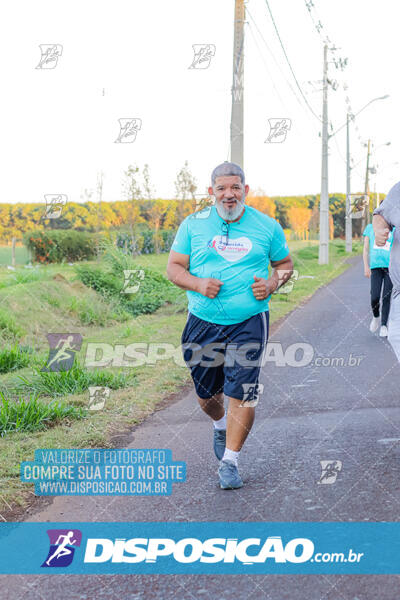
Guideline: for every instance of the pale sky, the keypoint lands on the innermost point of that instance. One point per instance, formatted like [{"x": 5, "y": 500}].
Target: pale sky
[{"x": 130, "y": 59}]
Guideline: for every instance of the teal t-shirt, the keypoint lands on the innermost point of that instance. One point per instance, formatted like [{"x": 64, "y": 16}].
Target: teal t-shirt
[
  {"x": 232, "y": 253},
  {"x": 379, "y": 256}
]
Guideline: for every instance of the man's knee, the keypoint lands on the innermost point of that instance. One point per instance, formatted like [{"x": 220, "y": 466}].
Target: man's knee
[{"x": 216, "y": 399}]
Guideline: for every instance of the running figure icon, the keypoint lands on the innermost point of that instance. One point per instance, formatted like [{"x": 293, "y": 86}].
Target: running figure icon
[
  {"x": 62, "y": 549},
  {"x": 63, "y": 353},
  {"x": 63, "y": 347}
]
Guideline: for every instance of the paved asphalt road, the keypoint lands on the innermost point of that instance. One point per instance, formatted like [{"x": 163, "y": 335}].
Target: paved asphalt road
[{"x": 333, "y": 412}]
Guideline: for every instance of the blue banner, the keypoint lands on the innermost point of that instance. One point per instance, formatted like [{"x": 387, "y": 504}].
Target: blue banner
[
  {"x": 100, "y": 472},
  {"x": 202, "y": 548}
]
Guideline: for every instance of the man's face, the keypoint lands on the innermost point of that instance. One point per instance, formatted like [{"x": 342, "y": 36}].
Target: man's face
[{"x": 230, "y": 196}]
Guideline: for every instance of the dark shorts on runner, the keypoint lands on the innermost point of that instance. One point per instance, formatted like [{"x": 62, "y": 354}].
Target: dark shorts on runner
[{"x": 225, "y": 358}]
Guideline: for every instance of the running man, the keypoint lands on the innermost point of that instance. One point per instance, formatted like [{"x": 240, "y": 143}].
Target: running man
[
  {"x": 386, "y": 219},
  {"x": 221, "y": 256},
  {"x": 62, "y": 550},
  {"x": 376, "y": 267}
]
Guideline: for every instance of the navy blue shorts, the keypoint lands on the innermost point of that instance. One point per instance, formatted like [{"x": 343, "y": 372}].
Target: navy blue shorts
[{"x": 226, "y": 358}]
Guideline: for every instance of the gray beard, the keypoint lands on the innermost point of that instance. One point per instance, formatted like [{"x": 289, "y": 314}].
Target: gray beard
[{"x": 230, "y": 214}]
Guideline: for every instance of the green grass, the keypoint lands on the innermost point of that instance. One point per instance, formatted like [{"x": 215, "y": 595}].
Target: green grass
[
  {"x": 74, "y": 381},
  {"x": 23, "y": 276},
  {"x": 33, "y": 414},
  {"x": 13, "y": 358},
  {"x": 9, "y": 330},
  {"x": 95, "y": 311},
  {"x": 153, "y": 289}
]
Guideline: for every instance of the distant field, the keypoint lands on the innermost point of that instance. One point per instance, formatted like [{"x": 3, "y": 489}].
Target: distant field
[
  {"x": 21, "y": 255},
  {"x": 154, "y": 261}
]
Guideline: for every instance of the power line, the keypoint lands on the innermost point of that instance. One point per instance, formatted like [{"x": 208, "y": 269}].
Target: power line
[
  {"x": 266, "y": 67},
  {"x": 339, "y": 62},
  {"x": 273, "y": 56},
  {"x": 288, "y": 62},
  {"x": 312, "y": 122}
]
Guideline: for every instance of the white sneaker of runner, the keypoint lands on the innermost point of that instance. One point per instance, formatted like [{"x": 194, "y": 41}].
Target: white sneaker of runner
[
  {"x": 373, "y": 326},
  {"x": 383, "y": 332}
]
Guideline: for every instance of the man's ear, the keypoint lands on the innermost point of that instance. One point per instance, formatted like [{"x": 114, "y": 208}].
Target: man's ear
[
  {"x": 210, "y": 191},
  {"x": 246, "y": 189}
]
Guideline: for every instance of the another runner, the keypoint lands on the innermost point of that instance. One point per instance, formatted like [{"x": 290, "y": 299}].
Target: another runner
[{"x": 376, "y": 267}]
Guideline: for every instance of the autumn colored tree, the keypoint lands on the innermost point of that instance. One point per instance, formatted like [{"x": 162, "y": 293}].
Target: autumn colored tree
[
  {"x": 299, "y": 217},
  {"x": 261, "y": 202}
]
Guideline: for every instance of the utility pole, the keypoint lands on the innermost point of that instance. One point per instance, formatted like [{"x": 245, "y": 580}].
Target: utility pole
[
  {"x": 237, "y": 85},
  {"x": 365, "y": 218},
  {"x": 323, "y": 258},
  {"x": 349, "y": 224}
]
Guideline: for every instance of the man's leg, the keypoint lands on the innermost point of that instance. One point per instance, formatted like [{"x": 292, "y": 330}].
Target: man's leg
[
  {"x": 242, "y": 368},
  {"x": 240, "y": 419},
  {"x": 213, "y": 407},
  {"x": 203, "y": 352}
]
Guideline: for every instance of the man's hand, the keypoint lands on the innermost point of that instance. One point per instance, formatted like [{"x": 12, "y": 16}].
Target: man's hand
[
  {"x": 381, "y": 236},
  {"x": 367, "y": 272},
  {"x": 381, "y": 230},
  {"x": 209, "y": 287},
  {"x": 262, "y": 288}
]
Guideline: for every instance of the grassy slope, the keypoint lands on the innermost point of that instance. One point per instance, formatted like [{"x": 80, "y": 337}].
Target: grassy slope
[{"x": 42, "y": 305}]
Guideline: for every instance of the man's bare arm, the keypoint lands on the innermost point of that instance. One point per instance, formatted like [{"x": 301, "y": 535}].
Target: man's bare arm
[
  {"x": 178, "y": 273},
  {"x": 282, "y": 271},
  {"x": 381, "y": 230}
]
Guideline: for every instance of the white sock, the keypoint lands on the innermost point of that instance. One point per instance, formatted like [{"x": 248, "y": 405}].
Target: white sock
[
  {"x": 231, "y": 455},
  {"x": 221, "y": 423}
]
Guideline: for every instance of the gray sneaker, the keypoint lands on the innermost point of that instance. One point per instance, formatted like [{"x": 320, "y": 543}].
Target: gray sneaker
[
  {"x": 219, "y": 442},
  {"x": 229, "y": 477}
]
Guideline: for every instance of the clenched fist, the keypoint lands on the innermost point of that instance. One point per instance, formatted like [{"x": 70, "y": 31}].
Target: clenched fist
[
  {"x": 381, "y": 235},
  {"x": 262, "y": 288},
  {"x": 209, "y": 287}
]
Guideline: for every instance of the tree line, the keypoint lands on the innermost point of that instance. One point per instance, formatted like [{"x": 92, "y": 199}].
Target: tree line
[{"x": 140, "y": 209}]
